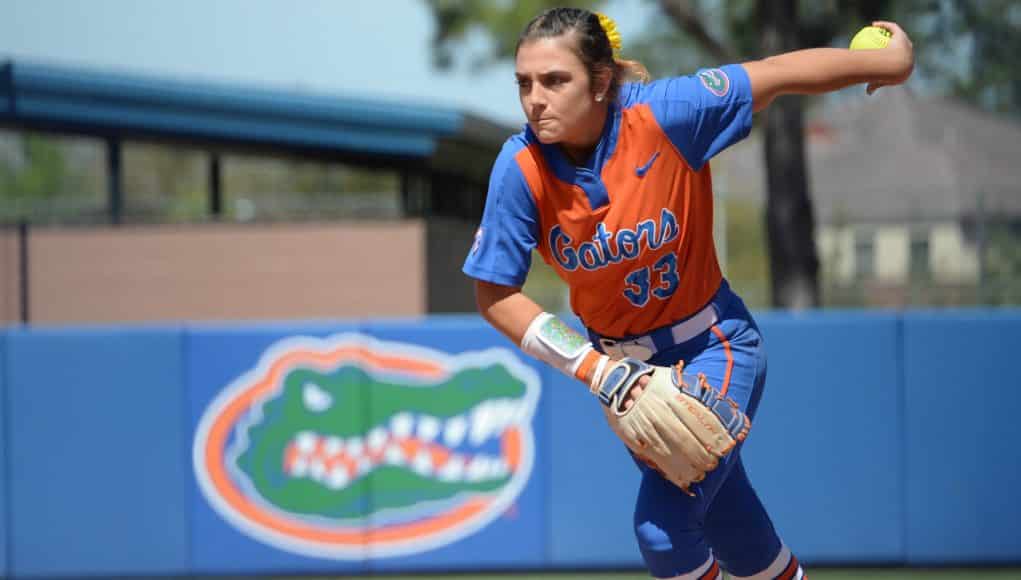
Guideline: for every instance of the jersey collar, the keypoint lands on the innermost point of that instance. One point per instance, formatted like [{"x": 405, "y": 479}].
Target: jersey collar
[{"x": 587, "y": 176}]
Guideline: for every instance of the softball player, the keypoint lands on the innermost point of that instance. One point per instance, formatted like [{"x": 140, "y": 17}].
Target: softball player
[{"x": 610, "y": 182}]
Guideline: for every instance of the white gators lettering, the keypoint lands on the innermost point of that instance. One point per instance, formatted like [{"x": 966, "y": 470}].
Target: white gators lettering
[{"x": 608, "y": 247}]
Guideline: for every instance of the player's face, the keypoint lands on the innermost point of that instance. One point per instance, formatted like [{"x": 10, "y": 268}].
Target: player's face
[{"x": 556, "y": 93}]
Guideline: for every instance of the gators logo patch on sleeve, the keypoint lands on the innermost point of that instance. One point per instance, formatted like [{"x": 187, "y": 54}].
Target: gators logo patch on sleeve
[
  {"x": 342, "y": 446},
  {"x": 715, "y": 80}
]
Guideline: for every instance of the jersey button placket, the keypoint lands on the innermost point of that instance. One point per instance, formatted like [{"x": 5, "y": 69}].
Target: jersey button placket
[{"x": 593, "y": 187}]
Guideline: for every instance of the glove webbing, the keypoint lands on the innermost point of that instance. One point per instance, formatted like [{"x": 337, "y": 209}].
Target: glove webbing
[{"x": 725, "y": 409}]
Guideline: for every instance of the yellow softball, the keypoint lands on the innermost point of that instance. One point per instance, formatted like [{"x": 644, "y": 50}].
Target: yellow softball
[{"x": 870, "y": 38}]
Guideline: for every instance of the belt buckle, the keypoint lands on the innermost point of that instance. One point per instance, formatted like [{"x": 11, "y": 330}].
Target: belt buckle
[
  {"x": 626, "y": 349},
  {"x": 611, "y": 347}
]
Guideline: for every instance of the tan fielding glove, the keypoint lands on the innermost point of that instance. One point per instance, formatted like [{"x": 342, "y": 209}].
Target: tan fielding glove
[{"x": 679, "y": 425}]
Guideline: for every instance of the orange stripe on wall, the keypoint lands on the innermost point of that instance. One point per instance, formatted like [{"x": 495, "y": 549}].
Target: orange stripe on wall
[{"x": 730, "y": 358}]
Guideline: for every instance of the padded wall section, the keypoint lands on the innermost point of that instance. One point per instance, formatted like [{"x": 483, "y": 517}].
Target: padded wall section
[
  {"x": 825, "y": 450},
  {"x": 4, "y": 456},
  {"x": 266, "y": 409},
  {"x": 470, "y": 492},
  {"x": 963, "y": 390},
  {"x": 96, "y": 438},
  {"x": 593, "y": 483}
]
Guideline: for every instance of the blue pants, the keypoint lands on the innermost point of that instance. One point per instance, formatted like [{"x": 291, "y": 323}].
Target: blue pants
[{"x": 676, "y": 532}]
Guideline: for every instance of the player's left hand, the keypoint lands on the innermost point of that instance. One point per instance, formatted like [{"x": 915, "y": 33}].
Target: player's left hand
[
  {"x": 902, "y": 57},
  {"x": 675, "y": 422}
]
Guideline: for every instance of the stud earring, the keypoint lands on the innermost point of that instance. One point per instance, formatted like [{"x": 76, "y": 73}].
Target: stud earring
[{"x": 599, "y": 98}]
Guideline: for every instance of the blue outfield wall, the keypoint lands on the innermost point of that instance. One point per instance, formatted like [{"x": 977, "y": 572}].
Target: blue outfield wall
[{"x": 432, "y": 444}]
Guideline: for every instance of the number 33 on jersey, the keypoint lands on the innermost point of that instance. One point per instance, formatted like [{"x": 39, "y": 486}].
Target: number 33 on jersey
[{"x": 630, "y": 232}]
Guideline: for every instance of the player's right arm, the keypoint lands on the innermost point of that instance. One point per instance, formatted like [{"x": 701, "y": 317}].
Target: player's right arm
[
  {"x": 538, "y": 333},
  {"x": 506, "y": 308},
  {"x": 499, "y": 261}
]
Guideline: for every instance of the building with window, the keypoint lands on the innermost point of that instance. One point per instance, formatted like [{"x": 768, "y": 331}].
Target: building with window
[{"x": 915, "y": 200}]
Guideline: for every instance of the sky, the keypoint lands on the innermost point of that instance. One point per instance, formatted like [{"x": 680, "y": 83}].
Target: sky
[{"x": 377, "y": 48}]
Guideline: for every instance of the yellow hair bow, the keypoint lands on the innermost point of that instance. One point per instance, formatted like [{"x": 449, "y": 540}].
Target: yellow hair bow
[{"x": 610, "y": 27}]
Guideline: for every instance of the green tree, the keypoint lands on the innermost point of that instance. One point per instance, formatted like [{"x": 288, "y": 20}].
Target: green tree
[
  {"x": 1001, "y": 264},
  {"x": 720, "y": 32},
  {"x": 164, "y": 182},
  {"x": 746, "y": 261},
  {"x": 969, "y": 49},
  {"x": 48, "y": 177},
  {"x": 40, "y": 174}
]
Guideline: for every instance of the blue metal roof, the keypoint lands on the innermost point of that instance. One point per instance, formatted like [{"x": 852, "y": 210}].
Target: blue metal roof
[{"x": 113, "y": 103}]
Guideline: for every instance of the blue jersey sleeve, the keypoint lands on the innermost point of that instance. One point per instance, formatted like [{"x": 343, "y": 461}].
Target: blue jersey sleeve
[
  {"x": 703, "y": 113},
  {"x": 502, "y": 250}
]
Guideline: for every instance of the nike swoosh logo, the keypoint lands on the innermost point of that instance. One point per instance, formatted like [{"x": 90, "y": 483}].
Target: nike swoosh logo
[{"x": 641, "y": 171}]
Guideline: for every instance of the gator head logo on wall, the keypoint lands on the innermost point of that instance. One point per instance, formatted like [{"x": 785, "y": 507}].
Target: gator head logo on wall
[{"x": 349, "y": 447}]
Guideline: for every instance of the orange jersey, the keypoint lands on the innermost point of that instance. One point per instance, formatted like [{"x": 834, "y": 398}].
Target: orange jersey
[{"x": 631, "y": 231}]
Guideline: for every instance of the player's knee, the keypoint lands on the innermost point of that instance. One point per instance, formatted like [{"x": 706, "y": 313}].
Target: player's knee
[
  {"x": 665, "y": 529},
  {"x": 652, "y": 537}
]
